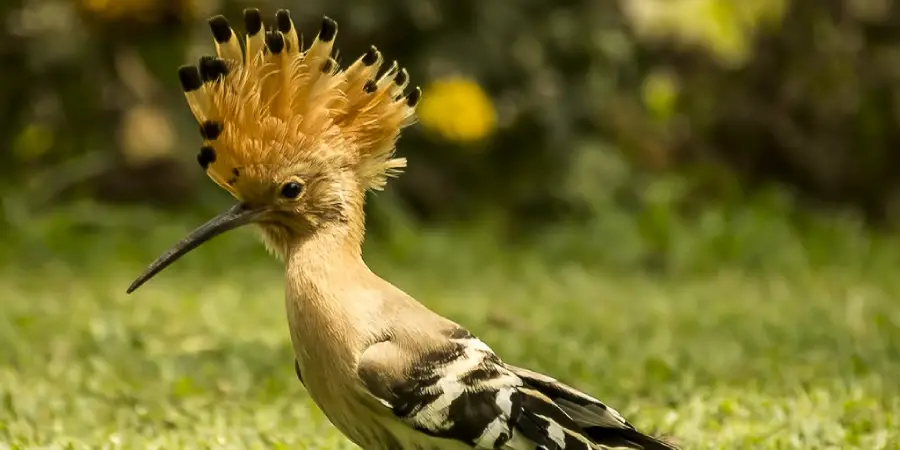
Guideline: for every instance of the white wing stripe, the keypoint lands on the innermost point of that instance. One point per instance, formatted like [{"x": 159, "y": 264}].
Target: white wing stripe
[
  {"x": 435, "y": 413},
  {"x": 475, "y": 343},
  {"x": 556, "y": 432}
]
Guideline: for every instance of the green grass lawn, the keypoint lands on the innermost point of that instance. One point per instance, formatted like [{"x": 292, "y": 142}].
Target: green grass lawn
[{"x": 200, "y": 357}]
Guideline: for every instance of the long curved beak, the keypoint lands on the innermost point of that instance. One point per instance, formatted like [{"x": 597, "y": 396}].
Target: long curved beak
[{"x": 238, "y": 215}]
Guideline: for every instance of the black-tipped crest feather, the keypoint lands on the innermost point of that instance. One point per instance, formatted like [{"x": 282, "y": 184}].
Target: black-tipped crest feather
[
  {"x": 371, "y": 56},
  {"x": 252, "y": 21},
  {"x": 212, "y": 69},
  {"x": 274, "y": 41},
  {"x": 412, "y": 99},
  {"x": 272, "y": 88},
  {"x": 220, "y": 29},
  {"x": 401, "y": 78},
  {"x": 210, "y": 130},
  {"x": 189, "y": 76},
  {"x": 328, "y": 30},
  {"x": 283, "y": 19},
  {"x": 206, "y": 156}
]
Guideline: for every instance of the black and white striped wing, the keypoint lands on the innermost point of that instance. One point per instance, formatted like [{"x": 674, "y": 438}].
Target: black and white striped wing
[{"x": 462, "y": 391}]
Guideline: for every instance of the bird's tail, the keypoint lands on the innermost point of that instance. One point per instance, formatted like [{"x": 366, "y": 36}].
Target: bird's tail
[
  {"x": 558, "y": 416},
  {"x": 627, "y": 438}
]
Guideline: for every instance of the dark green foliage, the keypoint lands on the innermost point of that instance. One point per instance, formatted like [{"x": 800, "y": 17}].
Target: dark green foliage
[
  {"x": 815, "y": 108},
  {"x": 812, "y": 108}
]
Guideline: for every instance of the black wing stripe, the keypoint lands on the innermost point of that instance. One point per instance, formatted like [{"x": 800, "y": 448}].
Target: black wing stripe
[
  {"x": 585, "y": 417},
  {"x": 588, "y": 410},
  {"x": 419, "y": 389},
  {"x": 461, "y": 391},
  {"x": 556, "y": 429},
  {"x": 537, "y": 403},
  {"x": 591, "y": 415}
]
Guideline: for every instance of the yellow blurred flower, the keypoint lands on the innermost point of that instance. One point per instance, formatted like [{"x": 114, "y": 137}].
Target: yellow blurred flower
[
  {"x": 458, "y": 109},
  {"x": 140, "y": 10}
]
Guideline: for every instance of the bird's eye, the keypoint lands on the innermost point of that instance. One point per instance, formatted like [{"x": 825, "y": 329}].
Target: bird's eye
[{"x": 291, "y": 189}]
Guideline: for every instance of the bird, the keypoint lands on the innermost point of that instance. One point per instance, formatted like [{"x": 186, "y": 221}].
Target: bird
[{"x": 299, "y": 141}]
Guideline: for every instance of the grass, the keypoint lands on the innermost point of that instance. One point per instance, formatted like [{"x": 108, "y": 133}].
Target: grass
[{"x": 200, "y": 357}]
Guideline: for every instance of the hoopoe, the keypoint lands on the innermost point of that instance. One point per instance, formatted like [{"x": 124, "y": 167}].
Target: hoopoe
[{"x": 298, "y": 141}]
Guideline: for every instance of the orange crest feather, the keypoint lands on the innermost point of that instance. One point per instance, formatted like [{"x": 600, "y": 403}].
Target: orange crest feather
[{"x": 271, "y": 103}]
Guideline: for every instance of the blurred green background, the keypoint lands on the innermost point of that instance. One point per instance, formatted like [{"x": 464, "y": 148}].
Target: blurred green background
[{"x": 685, "y": 207}]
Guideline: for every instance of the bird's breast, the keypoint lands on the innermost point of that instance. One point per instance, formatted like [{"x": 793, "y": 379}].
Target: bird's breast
[{"x": 326, "y": 355}]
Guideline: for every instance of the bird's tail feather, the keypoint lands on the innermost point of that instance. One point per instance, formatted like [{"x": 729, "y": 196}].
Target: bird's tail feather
[
  {"x": 558, "y": 413},
  {"x": 627, "y": 438}
]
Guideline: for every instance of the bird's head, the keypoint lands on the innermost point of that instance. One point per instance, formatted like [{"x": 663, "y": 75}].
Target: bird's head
[{"x": 293, "y": 137}]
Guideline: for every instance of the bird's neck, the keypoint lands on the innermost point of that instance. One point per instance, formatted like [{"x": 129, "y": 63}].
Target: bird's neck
[
  {"x": 326, "y": 262},
  {"x": 334, "y": 252},
  {"x": 331, "y": 296}
]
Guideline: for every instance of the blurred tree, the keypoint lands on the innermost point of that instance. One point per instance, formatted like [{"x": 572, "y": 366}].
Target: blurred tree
[
  {"x": 815, "y": 108},
  {"x": 521, "y": 97},
  {"x": 81, "y": 76}
]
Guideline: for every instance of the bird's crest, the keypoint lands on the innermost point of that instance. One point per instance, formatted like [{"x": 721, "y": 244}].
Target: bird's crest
[{"x": 268, "y": 103}]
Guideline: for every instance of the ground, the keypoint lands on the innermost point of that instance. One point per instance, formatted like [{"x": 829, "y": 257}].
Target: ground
[{"x": 200, "y": 356}]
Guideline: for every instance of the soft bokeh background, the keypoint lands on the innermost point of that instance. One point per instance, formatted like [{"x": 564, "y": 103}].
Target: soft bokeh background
[{"x": 685, "y": 207}]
